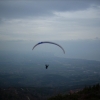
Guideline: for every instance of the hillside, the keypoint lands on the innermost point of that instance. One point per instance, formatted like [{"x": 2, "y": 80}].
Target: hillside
[
  {"x": 88, "y": 93},
  {"x": 32, "y": 93}
]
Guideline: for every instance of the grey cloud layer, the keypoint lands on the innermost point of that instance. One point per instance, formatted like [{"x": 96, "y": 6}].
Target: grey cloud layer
[
  {"x": 17, "y": 9},
  {"x": 56, "y": 19}
]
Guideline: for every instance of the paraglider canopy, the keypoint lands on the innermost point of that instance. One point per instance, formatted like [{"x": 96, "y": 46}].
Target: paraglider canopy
[{"x": 49, "y": 43}]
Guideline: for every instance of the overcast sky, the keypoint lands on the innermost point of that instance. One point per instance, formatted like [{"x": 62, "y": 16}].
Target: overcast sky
[
  {"x": 49, "y": 20},
  {"x": 74, "y": 22}
]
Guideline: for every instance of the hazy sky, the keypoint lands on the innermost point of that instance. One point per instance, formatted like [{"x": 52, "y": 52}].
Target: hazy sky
[
  {"x": 40, "y": 20},
  {"x": 49, "y": 19}
]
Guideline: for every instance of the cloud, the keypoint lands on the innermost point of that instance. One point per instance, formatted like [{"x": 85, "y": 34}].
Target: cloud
[
  {"x": 22, "y": 9},
  {"x": 90, "y": 13},
  {"x": 60, "y": 24}
]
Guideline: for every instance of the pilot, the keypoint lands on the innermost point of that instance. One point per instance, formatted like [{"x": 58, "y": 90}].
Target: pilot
[{"x": 46, "y": 66}]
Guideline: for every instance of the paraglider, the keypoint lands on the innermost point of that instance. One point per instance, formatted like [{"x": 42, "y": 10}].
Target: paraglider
[
  {"x": 49, "y": 43},
  {"x": 46, "y": 66}
]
